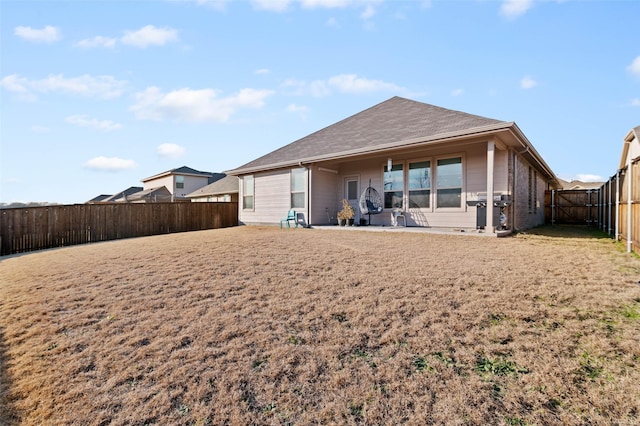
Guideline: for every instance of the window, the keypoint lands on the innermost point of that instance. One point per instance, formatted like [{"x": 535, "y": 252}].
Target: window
[
  {"x": 352, "y": 190},
  {"x": 419, "y": 184},
  {"x": 533, "y": 190},
  {"x": 247, "y": 193},
  {"x": 393, "y": 186},
  {"x": 449, "y": 183},
  {"x": 179, "y": 182},
  {"x": 297, "y": 188}
]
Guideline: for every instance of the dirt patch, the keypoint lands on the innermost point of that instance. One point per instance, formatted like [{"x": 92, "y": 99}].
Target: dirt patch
[{"x": 256, "y": 325}]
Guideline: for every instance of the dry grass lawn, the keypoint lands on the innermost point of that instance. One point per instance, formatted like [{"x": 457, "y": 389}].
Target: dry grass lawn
[{"x": 264, "y": 326}]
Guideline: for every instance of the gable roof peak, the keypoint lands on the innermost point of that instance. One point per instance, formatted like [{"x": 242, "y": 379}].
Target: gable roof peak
[{"x": 389, "y": 122}]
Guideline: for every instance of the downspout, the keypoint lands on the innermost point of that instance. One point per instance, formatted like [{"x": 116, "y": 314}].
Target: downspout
[
  {"x": 309, "y": 175},
  {"x": 617, "y": 230},
  {"x": 609, "y": 202},
  {"x": 629, "y": 203}
]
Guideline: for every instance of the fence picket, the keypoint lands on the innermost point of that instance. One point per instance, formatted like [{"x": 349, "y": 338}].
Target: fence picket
[{"x": 36, "y": 228}]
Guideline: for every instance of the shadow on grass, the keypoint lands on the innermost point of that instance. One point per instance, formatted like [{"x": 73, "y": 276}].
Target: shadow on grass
[
  {"x": 568, "y": 231},
  {"x": 8, "y": 414}
]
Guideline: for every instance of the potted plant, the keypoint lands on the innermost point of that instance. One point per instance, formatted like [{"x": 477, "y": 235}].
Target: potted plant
[{"x": 347, "y": 214}]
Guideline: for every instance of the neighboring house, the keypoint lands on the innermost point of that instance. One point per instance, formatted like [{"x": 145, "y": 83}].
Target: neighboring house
[
  {"x": 120, "y": 197},
  {"x": 222, "y": 190},
  {"x": 577, "y": 184},
  {"x": 154, "y": 195},
  {"x": 181, "y": 181},
  {"x": 631, "y": 148},
  {"x": 434, "y": 164}
]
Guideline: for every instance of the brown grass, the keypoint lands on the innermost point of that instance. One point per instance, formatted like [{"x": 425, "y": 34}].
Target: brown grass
[{"x": 261, "y": 326}]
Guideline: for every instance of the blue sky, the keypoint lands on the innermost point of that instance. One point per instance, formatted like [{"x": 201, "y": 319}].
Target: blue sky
[{"x": 97, "y": 95}]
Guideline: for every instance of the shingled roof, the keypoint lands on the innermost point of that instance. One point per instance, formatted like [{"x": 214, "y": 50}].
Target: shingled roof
[
  {"x": 226, "y": 185},
  {"x": 184, "y": 170},
  {"x": 391, "y": 122}
]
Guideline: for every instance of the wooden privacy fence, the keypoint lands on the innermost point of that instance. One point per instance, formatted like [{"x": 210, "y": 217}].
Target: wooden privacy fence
[
  {"x": 28, "y": 229},
  {"x": 614, "y": 207},
  {"x": 575, "y": 206}
]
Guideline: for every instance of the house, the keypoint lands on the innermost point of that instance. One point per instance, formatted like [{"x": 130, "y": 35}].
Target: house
[
  {"x": 628, "y": 195},
  {"x": 118, "y": 197},
  {"x": 158, "y": 194},
  {"x": 578, "y": 184},
  {"x": 180, "y": 181},
  {"x": 433, "y": 165},
  {"x": 222, "y": 190}
]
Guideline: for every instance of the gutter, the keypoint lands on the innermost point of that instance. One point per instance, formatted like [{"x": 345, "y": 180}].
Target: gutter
[{"x": 442, "y": 137}]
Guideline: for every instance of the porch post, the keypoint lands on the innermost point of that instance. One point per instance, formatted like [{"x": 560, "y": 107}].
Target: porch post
[{"x": 490, "y": 165}]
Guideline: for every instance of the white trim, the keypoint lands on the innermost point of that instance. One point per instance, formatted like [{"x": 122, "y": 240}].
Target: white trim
[
  {"x": 490, "y": 226},
  {"x": 463, "y": 189}
]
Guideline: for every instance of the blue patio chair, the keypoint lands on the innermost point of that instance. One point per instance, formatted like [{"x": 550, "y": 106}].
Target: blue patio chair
[{"x": 291, "y": 216}]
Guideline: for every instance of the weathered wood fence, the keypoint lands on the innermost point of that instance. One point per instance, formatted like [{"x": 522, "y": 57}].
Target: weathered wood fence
[
  {"x": 28, "y": 229},
  {"x": 614, "y": 207},
  {"x": 575, "y": 206}
]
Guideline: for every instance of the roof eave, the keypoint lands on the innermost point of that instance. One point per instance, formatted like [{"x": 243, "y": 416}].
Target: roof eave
[{"x": 439, "y": 138}]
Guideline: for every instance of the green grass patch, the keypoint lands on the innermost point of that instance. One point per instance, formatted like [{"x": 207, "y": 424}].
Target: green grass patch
[{"x": 499, "y": 366}]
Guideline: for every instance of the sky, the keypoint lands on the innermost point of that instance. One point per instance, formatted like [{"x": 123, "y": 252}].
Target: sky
[{"x": 97, "y": 95}]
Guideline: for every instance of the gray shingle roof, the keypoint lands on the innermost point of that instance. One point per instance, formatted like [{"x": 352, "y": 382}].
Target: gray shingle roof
[
  {"x": 226, "y": 185},
  {"x": 184, "y": 170},
  {"x": 394, "y": 120}
]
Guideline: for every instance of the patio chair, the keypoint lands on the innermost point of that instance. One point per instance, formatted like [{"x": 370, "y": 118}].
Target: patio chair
[
  {"x": 291, "y": 216},
  {"x": 370, "y": 202}
]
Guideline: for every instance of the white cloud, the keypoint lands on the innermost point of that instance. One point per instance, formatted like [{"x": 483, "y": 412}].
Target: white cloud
[
  {"x": 368, "y": 12},
  {"x": 97, "y": 41},
  {"x": 214, "y": 4},
  {"x": 102, "y": 86},
  {"x": 109, "y": 164},
  {"x": 515, "y": 8},
  {"x": 329, "y": 4},
  {"x": 14, "y": 83},
  {"x": 332, "y": 22},
  {"x": 457, "y": 92},
  {"x": 297, "y": 108},
  {"x": 343, "y": 83},
  {"x": 634, "y": 68},
  {"x": 262, "y": 71},
  {"x": 170, "y": 150},
  {"x": 351, "y": 83},
  {"x": 589, "y": 178},
  {"x": 273, "y": 5},
  {"x": 149, "y": 36},
  {"x": 528, "y": 83},
  {"x": 48, "y": 34},
  {"x": 635, "y": 102},
  {"x": 194, "y": 105},
  {"x": 86, "y": 121}
]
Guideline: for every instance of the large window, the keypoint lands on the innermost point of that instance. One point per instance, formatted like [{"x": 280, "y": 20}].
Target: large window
[
  {"x": 449, "y": 183},
  {"x": 297, "y": 188},
  {"x": 419, "y": 184},
  {"x": 247, "y": 193},
  {"x": 393, "y": 187}
]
